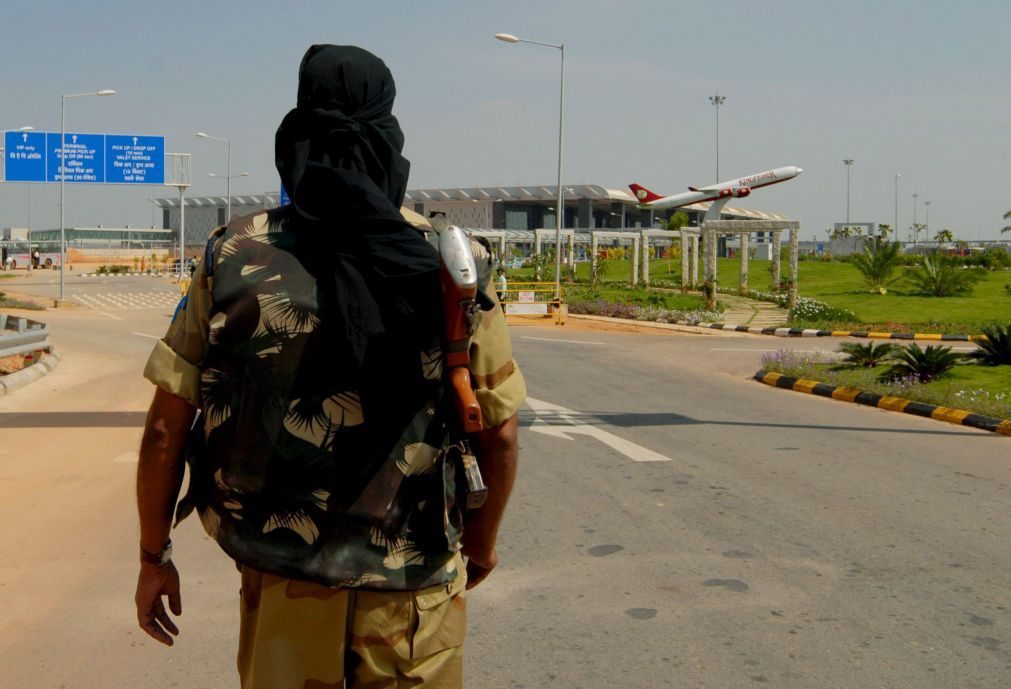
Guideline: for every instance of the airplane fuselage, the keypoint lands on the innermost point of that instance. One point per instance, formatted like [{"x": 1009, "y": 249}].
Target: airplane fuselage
[{"x": 735, "y": 188}]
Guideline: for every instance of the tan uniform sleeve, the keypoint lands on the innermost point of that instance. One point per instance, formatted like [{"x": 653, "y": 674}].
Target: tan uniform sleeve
[
  {"x": 174, "y": 365},
  {"x": 498, "y": 383}
]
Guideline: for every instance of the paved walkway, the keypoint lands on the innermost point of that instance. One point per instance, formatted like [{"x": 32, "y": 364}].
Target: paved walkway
[{"x": 757, "y": 314}]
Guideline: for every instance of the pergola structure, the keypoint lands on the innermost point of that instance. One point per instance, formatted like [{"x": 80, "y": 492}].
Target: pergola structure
[{"x": 712, "y": 229}]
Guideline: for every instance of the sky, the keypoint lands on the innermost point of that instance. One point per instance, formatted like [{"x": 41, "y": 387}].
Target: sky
[{"x": 921, "y": 89}]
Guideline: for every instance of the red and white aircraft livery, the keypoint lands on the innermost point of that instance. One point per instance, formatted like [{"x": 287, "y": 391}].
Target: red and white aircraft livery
[{"x": 722, "y": 191}]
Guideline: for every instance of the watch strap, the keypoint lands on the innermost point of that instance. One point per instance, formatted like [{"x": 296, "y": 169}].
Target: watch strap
[{"x": 158, "y": 558}]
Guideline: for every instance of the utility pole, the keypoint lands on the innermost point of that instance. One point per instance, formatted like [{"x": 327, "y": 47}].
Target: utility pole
[{"x": 717, "y": 100}]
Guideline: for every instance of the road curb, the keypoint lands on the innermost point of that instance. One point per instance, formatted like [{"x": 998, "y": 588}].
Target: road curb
[
  {"x": 866, "y": 334},
  {"x": 19, "y": 379},
  {"x": 930, "y": 411},
  {"x": 791, "y": 332}
]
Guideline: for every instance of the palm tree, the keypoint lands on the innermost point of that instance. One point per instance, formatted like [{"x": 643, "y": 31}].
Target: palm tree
[
  {"x": 1006, "y": 228},
  {"x": 878, "y": 263},
  {"x": 944, "y": 236}
]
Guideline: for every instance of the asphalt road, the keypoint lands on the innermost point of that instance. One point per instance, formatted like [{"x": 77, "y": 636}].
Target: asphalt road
[{"x": 674, "y": 524}]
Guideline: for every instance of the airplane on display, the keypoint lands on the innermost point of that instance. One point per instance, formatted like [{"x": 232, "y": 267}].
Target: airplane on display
[{"x": 720, "y": 192}]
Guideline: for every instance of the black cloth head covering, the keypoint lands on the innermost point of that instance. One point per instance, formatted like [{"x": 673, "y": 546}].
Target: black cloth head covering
[{"x": 339, "y": 156}]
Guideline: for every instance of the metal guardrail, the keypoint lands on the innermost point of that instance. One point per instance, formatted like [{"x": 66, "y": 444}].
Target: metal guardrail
[{"x": 21, "y": 335}]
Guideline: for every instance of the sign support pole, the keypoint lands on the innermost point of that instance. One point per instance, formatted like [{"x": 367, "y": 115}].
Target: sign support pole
[{"x": 182, "y": 233}]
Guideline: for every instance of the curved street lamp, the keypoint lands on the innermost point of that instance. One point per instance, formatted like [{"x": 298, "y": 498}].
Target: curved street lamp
[
  {"x": 63, "y": 174},
  {"x": 560, "y": 212}
]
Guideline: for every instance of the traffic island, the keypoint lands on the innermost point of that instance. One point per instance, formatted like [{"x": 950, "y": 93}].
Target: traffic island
[
  {"x": 870, "y": 399},
  {"x": 46, "y": 363}
]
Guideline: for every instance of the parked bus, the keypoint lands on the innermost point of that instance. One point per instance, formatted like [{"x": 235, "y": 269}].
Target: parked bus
[{"x": 18, "y": 254}]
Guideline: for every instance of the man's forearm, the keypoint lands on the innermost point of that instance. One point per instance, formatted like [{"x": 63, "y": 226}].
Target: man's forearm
[
  {"x": 497, "y": 452},
  {"x": 161, "y": 466}
]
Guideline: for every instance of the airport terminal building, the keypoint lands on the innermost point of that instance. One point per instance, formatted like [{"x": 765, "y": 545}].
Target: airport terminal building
[{"x": 518, "y": 210}]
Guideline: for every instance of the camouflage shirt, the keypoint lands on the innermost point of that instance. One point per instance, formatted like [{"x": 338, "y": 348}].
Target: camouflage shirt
[{"x": 310, "y": 469}]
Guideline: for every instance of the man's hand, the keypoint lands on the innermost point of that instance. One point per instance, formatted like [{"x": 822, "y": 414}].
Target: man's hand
[
  {"x": 496, "y": 450},
  {"x": 154, "y": 582},
  {"x": 478, "y": 568}
]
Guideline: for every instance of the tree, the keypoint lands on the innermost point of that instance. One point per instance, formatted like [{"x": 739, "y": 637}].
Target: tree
[
  {"x": 877, "y": 263},
  {"x": 677, "y": 221},
  {"x": 941, "y": 278},
  {"x": 915, "y": 229},
  {"x": 1006, "y": 228},
  {"x": 944, "y": 236},
  {"x": 884, "y": 229}
]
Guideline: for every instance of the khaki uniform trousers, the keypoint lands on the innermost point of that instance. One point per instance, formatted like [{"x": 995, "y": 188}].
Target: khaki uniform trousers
[{"x": 293, "y": 635}]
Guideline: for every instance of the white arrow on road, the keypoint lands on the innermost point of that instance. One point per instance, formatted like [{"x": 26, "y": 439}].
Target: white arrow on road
[{"x": 565, "y": 427}]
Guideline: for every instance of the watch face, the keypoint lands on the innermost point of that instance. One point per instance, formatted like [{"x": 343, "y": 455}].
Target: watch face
[{"x": 166, "y": 554}]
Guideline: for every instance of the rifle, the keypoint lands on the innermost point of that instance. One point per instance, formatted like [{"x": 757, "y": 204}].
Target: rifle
[{"x": 461, "y": 314}]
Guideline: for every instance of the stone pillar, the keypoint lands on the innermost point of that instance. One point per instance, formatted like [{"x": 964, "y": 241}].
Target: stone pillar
[
  {"x": 693, "y": 272},
  {"x": 635, "y": 260},
  {"x": 502, "y": 248},
  {"x": 572, "y": 257},
  {"x": 537, "y": 243},
  {"x": 644, "y": 243},
  {"x": 685, "y": 251},
  {"x": 593, "y": 255},
  {"x": 777, "y": 273},
  {"x": 742, "y": 286},
  {"x": 794, "y": 258}
]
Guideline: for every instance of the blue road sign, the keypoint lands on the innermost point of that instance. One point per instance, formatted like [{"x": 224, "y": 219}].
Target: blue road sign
[
  {"x": 84, "y": 161},
  {"x": 91, "y": 158},
  {"x": 26, "y": 156},
  {"x": 134, "y": 159}
]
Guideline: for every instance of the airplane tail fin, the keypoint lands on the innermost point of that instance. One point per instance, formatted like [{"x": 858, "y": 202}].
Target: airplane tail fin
[{"x": 642, "y": 194}]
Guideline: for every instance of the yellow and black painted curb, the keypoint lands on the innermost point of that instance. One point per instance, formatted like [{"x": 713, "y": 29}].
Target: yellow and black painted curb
[
  {"x": 868, "y": 334},
  {"x": 930, "y": 411}
]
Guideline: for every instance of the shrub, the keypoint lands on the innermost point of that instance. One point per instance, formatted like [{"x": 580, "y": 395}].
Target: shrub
[
  {"x": 941, "y": 278},
  {"x": 922, "y": 364},
  {"x": 793, "y": 363},
  {"x": 878, "y": 263},
  {"x": 865, "y": 355},
  {"x": 814, "y": 310},
  {"x": 995, "y": 350}
]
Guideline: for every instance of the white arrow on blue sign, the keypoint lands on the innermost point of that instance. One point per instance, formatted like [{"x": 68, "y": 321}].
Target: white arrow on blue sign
[{"x": 91, "y": 158}]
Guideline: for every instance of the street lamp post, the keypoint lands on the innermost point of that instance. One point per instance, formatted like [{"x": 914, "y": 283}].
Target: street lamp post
[
  {"x": 895, "y": 228},
  {"x": 916, "y": 230},
  {"x": 228, "y": 173},
  {"x": 63, "y": 175},
  {"x": 717, "y": 101},
  {"x": 560, "y": 211},
  {"x": 848, "y": 162},
  {"x": 926, "y": 219}
]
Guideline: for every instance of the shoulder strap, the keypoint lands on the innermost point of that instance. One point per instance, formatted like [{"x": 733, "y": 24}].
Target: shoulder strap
[{"x": 209, "y": 250}]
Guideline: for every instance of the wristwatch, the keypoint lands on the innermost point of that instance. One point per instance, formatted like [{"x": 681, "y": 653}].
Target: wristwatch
[{"x": 160, "y": 558}]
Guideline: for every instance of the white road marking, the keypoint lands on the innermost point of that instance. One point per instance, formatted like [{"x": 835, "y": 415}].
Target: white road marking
[
  {"x": 125, "y": 301},
  {"x": 552, "y": 339},
  {"x": 126, "y": 458},
  {"x": 153, "y": 337},
  {"x": 568, "y": 426}
]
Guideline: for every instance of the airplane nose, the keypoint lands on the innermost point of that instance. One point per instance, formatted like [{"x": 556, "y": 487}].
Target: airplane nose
[{"x": 800, "y": 170}]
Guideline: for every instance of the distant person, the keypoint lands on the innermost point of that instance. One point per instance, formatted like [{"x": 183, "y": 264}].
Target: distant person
[
  {"x": 325, "y": 461},
  {"x": 501, "y": 284}
]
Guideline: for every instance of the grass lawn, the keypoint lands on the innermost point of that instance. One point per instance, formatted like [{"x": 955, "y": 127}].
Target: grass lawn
[
  {"x": 973, "y": 387},
  {"x": 841, "y": 285}
]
